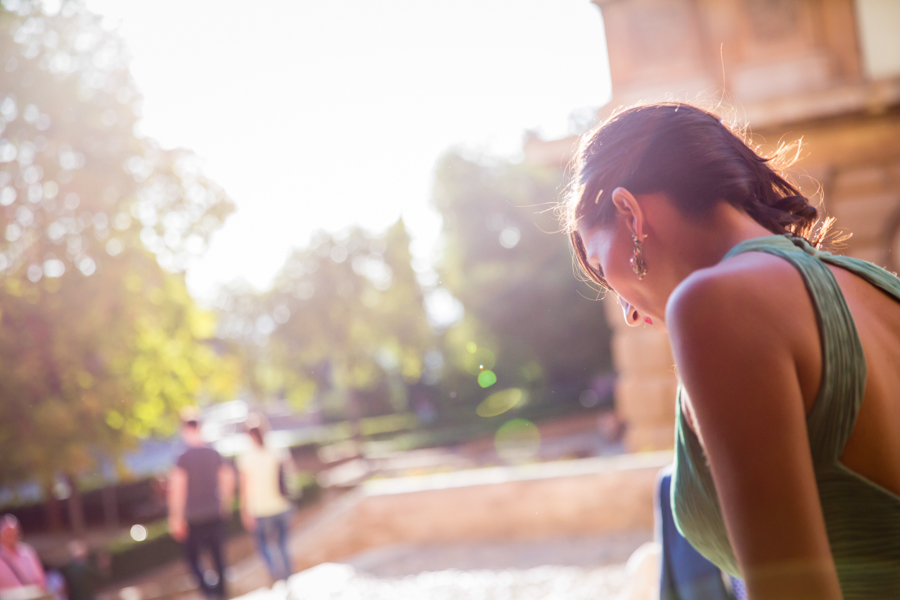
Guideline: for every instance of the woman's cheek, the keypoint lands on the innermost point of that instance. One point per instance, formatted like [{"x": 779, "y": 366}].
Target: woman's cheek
[{"x": 620, "y": 276}]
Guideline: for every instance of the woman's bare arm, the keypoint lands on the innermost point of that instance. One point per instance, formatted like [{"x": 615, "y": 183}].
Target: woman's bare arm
[{"x": 740, "y": 374}]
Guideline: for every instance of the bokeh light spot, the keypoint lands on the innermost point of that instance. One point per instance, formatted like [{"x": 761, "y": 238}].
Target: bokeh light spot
[
  {"x": 339, "y": 254},
  {"x": 115, "y": 420},
  {"x": 517, "y": 440},
  {"x": 138, "y": 533},
  {"x": 54, "y": 267},
  {"x": 482, "y": 358},
  {"x": 35, "y": 273},
  {"x": 486, "y": 379},
  {"x": 500, "y": 402},
  {"x": 114, "y": 247},
  {"x": 510, "y": 237},
  {"x": 589, "y": 398},
  {"x": 472, "y": 347}
]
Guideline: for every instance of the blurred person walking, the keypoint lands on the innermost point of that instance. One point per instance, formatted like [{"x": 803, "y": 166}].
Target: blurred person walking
[
  {"x": 200, "y": 494},
  {"x": 19, "y": 563},
  {"x": 265, "y": 509}
]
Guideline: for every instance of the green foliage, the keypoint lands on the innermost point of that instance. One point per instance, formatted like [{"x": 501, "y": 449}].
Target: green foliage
[
  {"x": 527, "y": 318},
  {"x": 345, "y": 321},
  {"x": 89, "y": 365},
  {"x": 100, "y": 344}
]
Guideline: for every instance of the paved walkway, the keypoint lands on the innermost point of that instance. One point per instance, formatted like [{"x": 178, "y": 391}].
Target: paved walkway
[
  {"x": 577, "y": 552},
  {"x": 332, "y": 581},
  {"x": 246, "y": 571},
  {"x": 561, "y": 569}
]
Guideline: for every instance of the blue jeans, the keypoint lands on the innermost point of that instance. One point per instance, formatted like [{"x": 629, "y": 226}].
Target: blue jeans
[
  {"x": 685, "y": 573},
  {"x": 271, "y": 534}
]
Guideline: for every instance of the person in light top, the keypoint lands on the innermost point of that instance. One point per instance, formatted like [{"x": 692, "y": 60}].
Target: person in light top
[{"x": 264, "y": 508}]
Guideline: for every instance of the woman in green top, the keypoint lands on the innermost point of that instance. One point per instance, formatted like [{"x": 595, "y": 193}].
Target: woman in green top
[{"x": 787, "y": 466}]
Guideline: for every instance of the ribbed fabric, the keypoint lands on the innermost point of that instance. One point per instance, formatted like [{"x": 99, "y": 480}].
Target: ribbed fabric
[{"x": 862, "y": 518}]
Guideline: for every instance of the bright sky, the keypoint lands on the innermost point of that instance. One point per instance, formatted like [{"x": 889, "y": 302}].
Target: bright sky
[{"x": 326, "y": 114}]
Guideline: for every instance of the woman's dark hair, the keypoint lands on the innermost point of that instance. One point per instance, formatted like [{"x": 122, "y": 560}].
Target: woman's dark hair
[{"x": 693, "y": 157}]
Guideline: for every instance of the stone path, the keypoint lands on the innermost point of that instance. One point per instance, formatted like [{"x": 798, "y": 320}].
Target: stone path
[
  {"x": 562, "y": 569},
  {"x": 332, "y": 581},
  {"x": 579, "y": 552},
  {"x": 246, "y": 571}
]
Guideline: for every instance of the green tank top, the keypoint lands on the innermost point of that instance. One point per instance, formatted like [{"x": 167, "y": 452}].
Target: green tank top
[{"x": 862, "y": 518}]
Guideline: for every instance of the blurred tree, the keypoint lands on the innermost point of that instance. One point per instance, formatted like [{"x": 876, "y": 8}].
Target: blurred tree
[
  {"x": 344, "y": 321},
  {"x": 527, "y": 318},
  {"x": 89, "y": 365},
  {"x": 100, "y": 341}
]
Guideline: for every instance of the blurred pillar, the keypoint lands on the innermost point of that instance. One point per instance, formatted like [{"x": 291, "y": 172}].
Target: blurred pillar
[
  {"x": 52, "y": 506},
  {"x": 646, "y": 383},
  {"x": 775, "y": 59},
  {"x": 110, "y": 507},
  {"x": 75, "y": 505}
]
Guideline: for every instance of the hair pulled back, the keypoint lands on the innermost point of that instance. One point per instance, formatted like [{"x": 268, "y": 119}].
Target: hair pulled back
[{"x": 695, "y": 159}]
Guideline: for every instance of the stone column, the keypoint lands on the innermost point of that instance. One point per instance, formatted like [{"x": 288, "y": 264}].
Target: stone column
[
  {"x": 646, "y": 384},
  {"x": 866, "y": 201}
]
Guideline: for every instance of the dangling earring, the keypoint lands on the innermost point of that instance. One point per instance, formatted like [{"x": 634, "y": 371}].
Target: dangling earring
[{"x": 638, "y": 264}]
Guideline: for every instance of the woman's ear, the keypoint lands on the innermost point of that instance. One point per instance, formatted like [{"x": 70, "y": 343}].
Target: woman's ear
[{"x": 627, "y": 207}]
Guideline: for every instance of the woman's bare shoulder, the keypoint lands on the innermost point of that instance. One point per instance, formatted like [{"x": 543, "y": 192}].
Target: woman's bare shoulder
[
  {"x": 749, "y": 313},
  {"x": 742, "y": 290}
]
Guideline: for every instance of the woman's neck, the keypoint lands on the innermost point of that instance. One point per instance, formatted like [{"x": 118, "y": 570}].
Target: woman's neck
[
  {"x": 730, "y": 227},
  {"x": 702, "y": 243}
]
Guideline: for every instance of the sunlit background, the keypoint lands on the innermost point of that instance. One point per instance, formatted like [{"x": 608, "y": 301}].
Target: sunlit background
[
  {"x": 324, "y": 216},
  {"x": 317, "y": 114},
  {"x": 336, "y": 219}
]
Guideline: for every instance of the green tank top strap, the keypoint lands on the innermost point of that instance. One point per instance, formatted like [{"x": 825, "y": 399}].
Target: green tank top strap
[
  {"x": 833, "y": 416},
  {"x": 862, "y": 519}
]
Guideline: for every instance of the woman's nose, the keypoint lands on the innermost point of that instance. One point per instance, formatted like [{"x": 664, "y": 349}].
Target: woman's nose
[{"x": 632, "y": 317}]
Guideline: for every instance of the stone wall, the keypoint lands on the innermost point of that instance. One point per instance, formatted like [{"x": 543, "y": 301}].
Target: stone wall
[
  {"x": 548, "y": 500},
  {"x": 856, "y": 161},
  {"x": 646, "y": 382}
]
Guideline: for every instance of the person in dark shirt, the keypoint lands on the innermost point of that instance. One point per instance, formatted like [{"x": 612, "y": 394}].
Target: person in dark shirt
[{"x": 201, "y": 489}]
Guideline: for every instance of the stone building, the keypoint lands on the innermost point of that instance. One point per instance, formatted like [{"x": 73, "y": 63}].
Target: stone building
[{"x": 826, "y": 71}]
